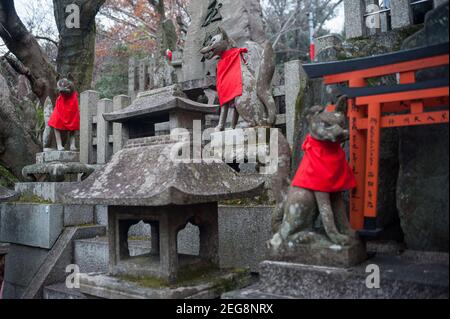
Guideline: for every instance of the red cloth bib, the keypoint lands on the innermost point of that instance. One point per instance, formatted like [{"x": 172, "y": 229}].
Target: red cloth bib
[
  {"x": 66, "y": 115},
  {"x": 324, "y": 168},
  {"x": 229, "y": 75}
]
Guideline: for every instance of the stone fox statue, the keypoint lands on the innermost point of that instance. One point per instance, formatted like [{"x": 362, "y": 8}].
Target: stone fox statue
[
  {"x": 66, "y": 114},
  {"x": 318, "y": 185},
  {"x": 240, "y": 90}
]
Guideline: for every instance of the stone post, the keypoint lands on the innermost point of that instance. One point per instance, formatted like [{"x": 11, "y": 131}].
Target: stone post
[
  {"x": 401, "y": 14},
  {"x": 104, "y": 147},
  {"x": 143, "y": 70},
  {"x": 354, "y": 18},
  {"x": 133, "y": 83},
  {"x": 88, "y": 109},
  {"x": 295, "y": 79},
  {"x": 119, "y": 138}
]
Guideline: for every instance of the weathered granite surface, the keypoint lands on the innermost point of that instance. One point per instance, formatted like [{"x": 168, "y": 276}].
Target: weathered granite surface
[
  {"x": 322, "y": 252},
  {"x": 50, "y": 191},
  {"x": 57, "y": 156},
  {"x": 413, "y": 275},
  {"x": 31, "y": 224}
]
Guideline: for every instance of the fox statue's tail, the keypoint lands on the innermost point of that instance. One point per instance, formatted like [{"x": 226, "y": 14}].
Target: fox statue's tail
[{"x": 264, "y": 83}]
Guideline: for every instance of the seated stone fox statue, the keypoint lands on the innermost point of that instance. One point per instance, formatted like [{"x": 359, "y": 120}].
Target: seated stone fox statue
[
  {"x": 66, "y": 114},
  {"x": 318, "y": 185},
  {"x": 240, "y": 90}
]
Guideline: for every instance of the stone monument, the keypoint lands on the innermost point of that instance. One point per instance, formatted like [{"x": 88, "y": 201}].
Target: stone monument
[{"x": 241, "y": 19}]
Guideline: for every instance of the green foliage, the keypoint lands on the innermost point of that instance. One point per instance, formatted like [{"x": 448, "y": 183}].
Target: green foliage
[{"x": 113, "y": 75}]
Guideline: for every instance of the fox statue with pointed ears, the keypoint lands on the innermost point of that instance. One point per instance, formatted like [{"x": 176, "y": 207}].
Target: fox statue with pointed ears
[{"x": 241, "y": 91}]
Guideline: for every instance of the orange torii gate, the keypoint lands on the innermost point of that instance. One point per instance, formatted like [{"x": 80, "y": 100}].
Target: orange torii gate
[{"x": 371, "y": 109}]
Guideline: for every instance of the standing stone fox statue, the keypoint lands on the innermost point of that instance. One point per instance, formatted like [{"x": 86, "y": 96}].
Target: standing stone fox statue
[
  {"x": 240, "y": 90},
  {"x": 318, "y": 185},
  {"x": 65, "y": 115}
]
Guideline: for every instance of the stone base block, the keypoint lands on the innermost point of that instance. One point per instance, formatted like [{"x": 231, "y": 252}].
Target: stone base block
[
  {"x": 22, "y": 263},
  {"x": 412, "y": 275},
  {"x": 35, "y": 225},
  {"x": 58, "y": 156},
  {"x": 206, "y": 287},
  {"x": 45, "y": 190},
  {"x": 323, "y": 253},
  {"x": 243, "y": 232},
  {"x": 75, "y": 215}
]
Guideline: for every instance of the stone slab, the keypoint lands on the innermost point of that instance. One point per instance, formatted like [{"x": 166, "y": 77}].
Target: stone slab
[
  {"x": 101, "y": 215},
  {"x": 61, "y": 292},
  {"x": 58, "y": 156},
  {"x": 92, "y": 255},
  {"x": 75, "y": 215},
  {"x": 408, "y": 276},
  {"x": 45, "y": 190},
  {"x": 22, "y": 263},
  {"x": 11, "y": 291},
  {"x": 243, "y": 233},
  {"x": 35, "y": 225},
  {"x": 107, "y": 287},
  {"x": 53, "y": 268},
  {"x": 324, "y": 253}
]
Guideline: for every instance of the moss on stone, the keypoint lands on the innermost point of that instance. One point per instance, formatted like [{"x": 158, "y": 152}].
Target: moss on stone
[
  {"x": 191, "y": 276},
  {"x": 27, "y": 198},
  {"x": 261, "y": 200}
]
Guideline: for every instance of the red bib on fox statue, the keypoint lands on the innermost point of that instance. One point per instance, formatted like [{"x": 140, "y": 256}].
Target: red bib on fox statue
[
  {"x": 229, "y": 75},
  {"x": 66, "y": 115},
  {"x": 324, "y": 168}
]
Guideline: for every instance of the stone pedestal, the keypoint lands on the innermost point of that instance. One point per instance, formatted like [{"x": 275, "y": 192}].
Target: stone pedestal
[
  {"x": 324, "y": 253},
  {"x": 412, "y": 275},
  {"x": 57, "y": 166}
]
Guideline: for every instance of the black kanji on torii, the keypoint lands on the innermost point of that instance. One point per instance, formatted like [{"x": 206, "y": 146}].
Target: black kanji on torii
[{"x": 213, "y": 13}]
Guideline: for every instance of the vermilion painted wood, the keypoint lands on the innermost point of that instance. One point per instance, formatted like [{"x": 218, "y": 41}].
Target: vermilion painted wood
[
  {"x": 367, "y": 117},
  {"x": 389, "y": 69},
  {"x": 390, "y": 121},
  {"x": 358, "y": 140}
]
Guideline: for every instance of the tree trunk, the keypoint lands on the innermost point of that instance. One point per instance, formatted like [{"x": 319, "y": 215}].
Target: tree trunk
[
  {"x": 77, "y": 45},
  {"x": 35, "y": 64}
]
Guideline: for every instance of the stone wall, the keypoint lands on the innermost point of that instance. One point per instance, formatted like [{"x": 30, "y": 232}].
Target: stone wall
[{"x": 423, "y": 191}]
